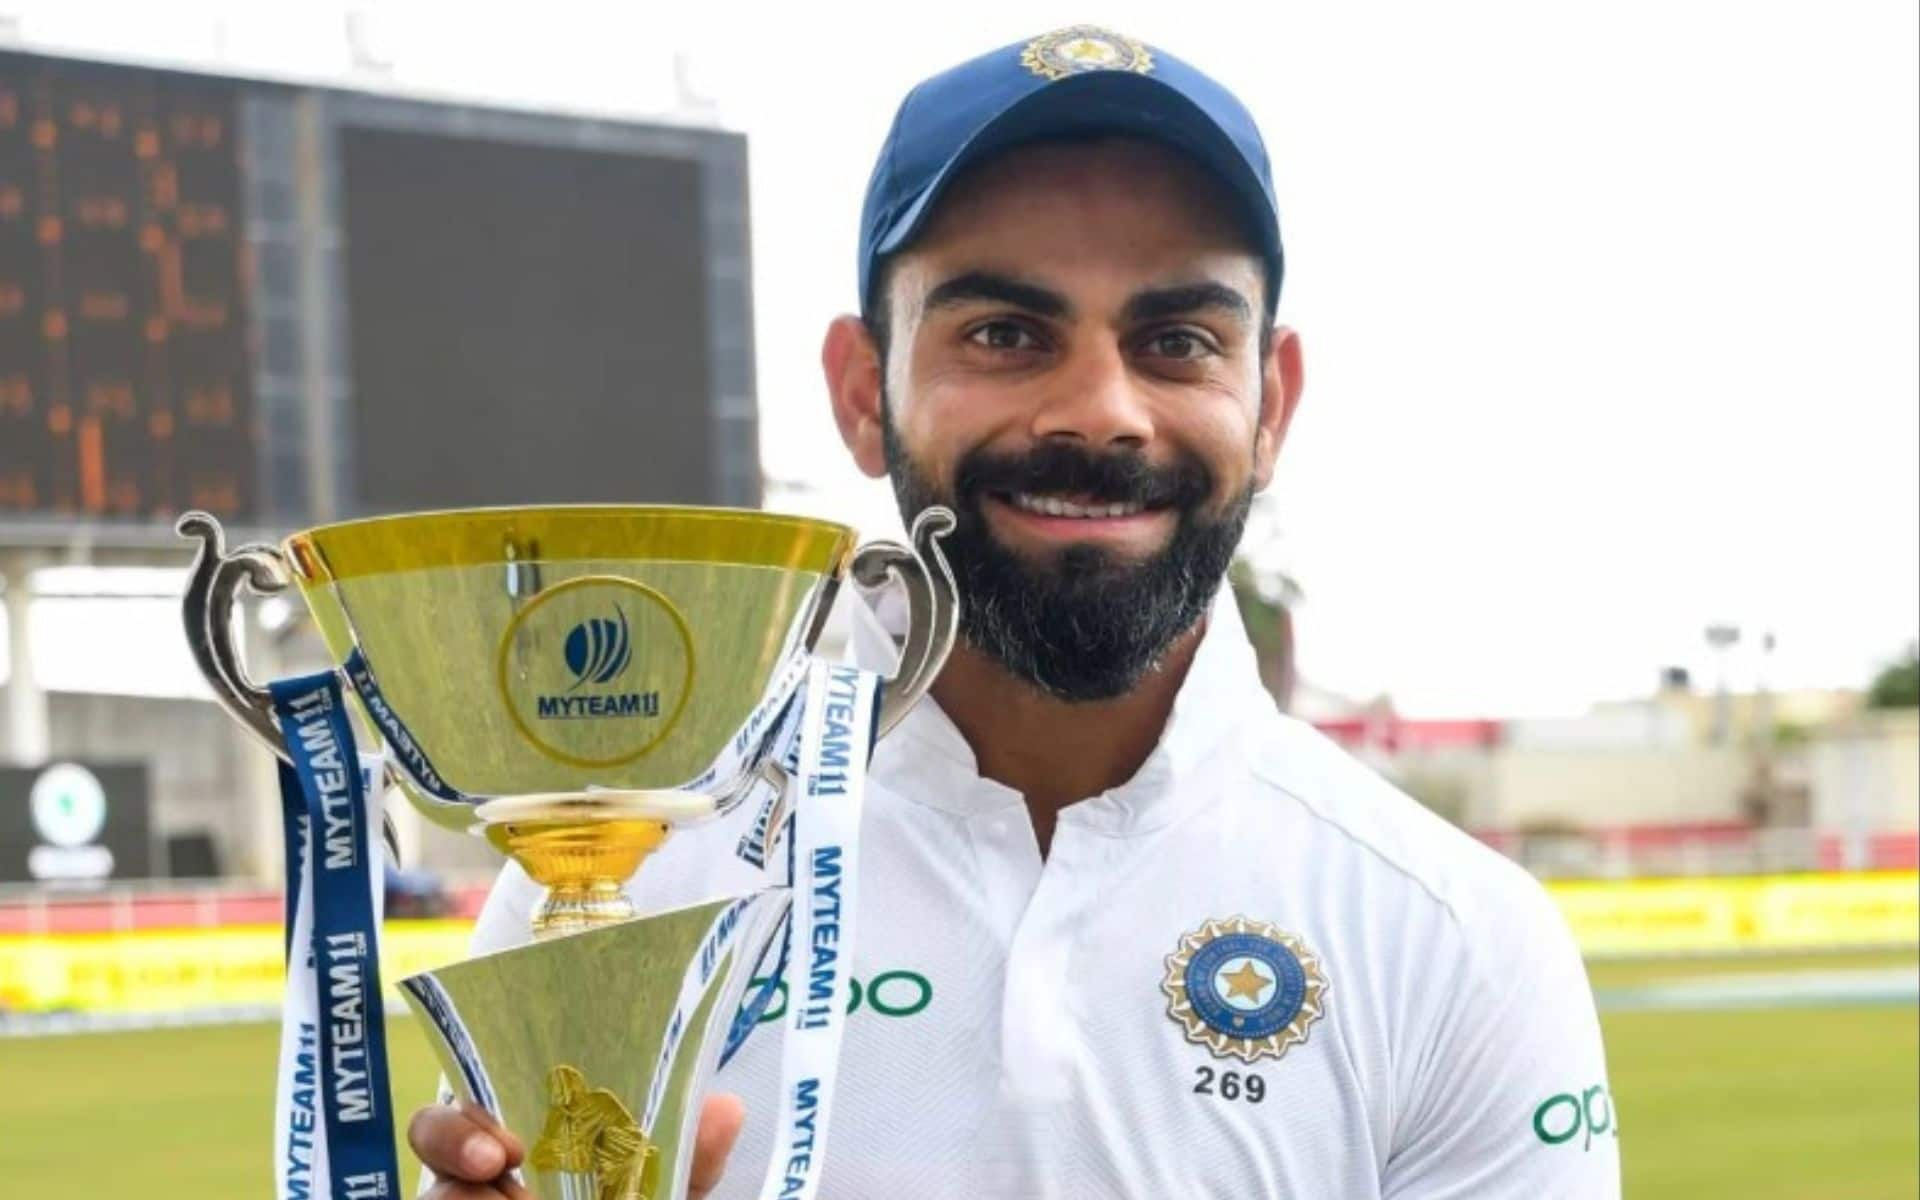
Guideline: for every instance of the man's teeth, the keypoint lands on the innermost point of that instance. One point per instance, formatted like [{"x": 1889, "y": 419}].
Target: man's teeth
[{"x": 1053, "y": 506}]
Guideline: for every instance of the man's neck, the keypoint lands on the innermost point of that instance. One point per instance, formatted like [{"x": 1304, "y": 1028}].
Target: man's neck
[{"x": 1051, "y": 751}]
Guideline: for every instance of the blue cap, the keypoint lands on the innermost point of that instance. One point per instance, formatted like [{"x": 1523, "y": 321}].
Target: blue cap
[{"x": 1073, "y": 82}]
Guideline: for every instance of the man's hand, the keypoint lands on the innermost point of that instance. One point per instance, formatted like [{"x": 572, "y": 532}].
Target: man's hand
[{"x": 470, "y": 1154}]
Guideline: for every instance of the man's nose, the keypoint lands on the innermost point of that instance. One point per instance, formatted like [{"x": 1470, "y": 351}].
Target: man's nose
[{"x": 1096, "y": 402}]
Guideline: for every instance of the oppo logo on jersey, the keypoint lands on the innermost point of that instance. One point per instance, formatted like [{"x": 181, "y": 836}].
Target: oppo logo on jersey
[
  {"x": 897, "y": 993},
  {"x": 1588, "y": 1115}
]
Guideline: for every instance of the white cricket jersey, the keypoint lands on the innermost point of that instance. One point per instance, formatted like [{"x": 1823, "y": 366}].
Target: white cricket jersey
[{"x": 1255, "y": 969}]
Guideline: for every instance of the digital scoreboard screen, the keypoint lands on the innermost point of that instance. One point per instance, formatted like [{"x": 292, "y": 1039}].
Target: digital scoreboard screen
[
  {"x": 288, "y": 305},
  {"x": 125, "y": 387},
  {"x": 562, "y": 342}
]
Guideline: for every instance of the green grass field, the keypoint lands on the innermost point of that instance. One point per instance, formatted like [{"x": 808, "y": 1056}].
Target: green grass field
[
  {"x": 1786, "y": 1104},
  {"x": 165, "y": 1114}
]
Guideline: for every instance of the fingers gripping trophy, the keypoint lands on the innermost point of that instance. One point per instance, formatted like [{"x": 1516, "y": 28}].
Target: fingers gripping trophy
[{"x": 574, "y": 684}]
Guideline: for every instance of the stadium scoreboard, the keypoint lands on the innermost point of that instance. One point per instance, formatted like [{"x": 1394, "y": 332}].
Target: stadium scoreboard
[{"x": 289, "y": 304}]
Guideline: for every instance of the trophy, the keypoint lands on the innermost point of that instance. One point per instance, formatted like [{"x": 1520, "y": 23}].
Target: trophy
[{"x": 575, "y": 683}]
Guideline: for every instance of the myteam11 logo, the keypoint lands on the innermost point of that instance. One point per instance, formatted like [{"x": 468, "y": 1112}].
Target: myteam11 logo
[
  {"x": 598, "y": 650},
  {"x": 595, "y": 670}
]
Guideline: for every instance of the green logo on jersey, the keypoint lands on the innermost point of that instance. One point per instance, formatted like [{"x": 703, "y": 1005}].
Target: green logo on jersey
[
  {"x": 890, "y": 993},
  {"x": 1563, "y": 1117}
]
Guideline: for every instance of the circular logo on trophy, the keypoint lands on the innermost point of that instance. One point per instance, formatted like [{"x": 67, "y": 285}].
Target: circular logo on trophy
[{"x": 596, "y": 670}]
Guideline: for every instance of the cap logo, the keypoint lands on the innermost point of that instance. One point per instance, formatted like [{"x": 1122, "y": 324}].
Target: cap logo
[{"x": 1078, "y": 49}]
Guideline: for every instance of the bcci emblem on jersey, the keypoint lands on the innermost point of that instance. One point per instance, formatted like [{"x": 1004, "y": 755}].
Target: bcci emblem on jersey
[{"x": 1244, "y": 989}]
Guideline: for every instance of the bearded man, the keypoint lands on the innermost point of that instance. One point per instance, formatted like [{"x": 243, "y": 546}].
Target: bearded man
[{"x": 1126, "y": 929}]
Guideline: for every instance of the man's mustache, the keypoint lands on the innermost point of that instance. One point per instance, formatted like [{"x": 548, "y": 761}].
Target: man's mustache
[{"x": 1120, "y": 477}]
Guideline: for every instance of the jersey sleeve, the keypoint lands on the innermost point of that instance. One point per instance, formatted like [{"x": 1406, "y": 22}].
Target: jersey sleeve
[{"x": 1508, "y": 1098}]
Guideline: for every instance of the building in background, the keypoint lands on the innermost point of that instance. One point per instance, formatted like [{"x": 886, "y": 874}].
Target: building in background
[{"x": 1793, "y": 781}]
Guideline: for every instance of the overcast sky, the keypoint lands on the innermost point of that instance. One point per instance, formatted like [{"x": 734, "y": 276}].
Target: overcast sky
[{"x": 1610, "y": 309}]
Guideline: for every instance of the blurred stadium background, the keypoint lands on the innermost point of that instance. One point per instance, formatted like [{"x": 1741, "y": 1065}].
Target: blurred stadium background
[{"x": 212, "y": 289}]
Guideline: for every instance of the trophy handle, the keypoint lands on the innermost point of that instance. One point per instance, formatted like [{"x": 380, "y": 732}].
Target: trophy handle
[
  {"x": 207, "y": 610},
  {"x": 933, "y": 609}
]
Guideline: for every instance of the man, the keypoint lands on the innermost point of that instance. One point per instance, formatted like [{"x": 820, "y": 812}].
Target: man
[{"x": 1125, "y": 930}]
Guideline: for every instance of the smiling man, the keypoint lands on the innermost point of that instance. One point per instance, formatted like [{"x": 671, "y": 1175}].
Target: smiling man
[{"x": 1126, "y": 930}]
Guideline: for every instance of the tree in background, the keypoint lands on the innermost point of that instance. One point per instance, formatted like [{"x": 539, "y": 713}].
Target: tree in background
[
  {"x": 1898, "y": 684},
  {"x": 1265, "y": 602}
]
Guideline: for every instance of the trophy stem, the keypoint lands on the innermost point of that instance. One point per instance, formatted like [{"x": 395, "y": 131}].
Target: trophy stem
[
  {"x": 570, "y": 907},
  {"x": 584, "y": 865}
]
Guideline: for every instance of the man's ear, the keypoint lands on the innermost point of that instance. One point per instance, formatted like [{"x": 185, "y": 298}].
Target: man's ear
[
  {"x": 1282, "y": 379},
  {"x": 853, "y": 369}
]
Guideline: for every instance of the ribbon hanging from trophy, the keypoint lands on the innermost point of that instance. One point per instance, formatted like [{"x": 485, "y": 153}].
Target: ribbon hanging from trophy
[
  {"x": 837, "y": 733},
  {"x": 766, "y": 794},
  {"x": 333, "y": 1123},
  {"x": 765, "y": 725},
  {"x": 300, "y": 1145}
]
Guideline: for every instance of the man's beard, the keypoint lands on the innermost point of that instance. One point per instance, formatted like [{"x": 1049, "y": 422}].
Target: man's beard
[{"x": 1085, "y": 625}]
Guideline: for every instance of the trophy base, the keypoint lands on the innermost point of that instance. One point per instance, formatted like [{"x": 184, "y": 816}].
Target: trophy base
[
  {"x": 597, "y": 1048},
  {"x": 583, "y": 848}
]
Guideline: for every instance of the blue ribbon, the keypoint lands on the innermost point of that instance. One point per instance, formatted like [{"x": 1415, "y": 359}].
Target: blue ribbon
[
  {"x": 399, "y": 738},
  {"x": 747, "y": 1018},
  {"x": 346, "y": 936},
  {"x": 293, "y": 831},
  {"x": 438, "y": 1006}
]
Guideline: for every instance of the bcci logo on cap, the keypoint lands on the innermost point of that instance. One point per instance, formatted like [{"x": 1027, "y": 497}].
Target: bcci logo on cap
[
  {"x": 598, "y": 650},
  {"x": 1081, "y": 48},
  {"x": 595, "y": 670}
]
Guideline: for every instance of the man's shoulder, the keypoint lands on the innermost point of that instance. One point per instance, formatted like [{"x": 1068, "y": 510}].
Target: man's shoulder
[{"x": 1383, "y": 829}]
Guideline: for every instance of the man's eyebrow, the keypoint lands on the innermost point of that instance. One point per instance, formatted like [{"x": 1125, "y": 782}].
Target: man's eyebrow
[
  {"x": 1001, "y": 289},
  {"x": 1188, "y": 298}
]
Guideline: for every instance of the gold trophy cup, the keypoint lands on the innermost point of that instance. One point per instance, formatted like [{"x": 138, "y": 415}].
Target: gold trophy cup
[
  {"x": 572, "y": 682},
  {"x": 561, "y": 676}
]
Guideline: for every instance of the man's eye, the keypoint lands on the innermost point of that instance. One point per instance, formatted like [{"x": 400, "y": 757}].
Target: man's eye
[
  {"x": 1178, "y": 344},
  {"x": 1003, "y": 335}
]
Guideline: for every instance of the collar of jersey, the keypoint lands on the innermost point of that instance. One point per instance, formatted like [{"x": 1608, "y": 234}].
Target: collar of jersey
[{"x": 926, "y": 760}]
